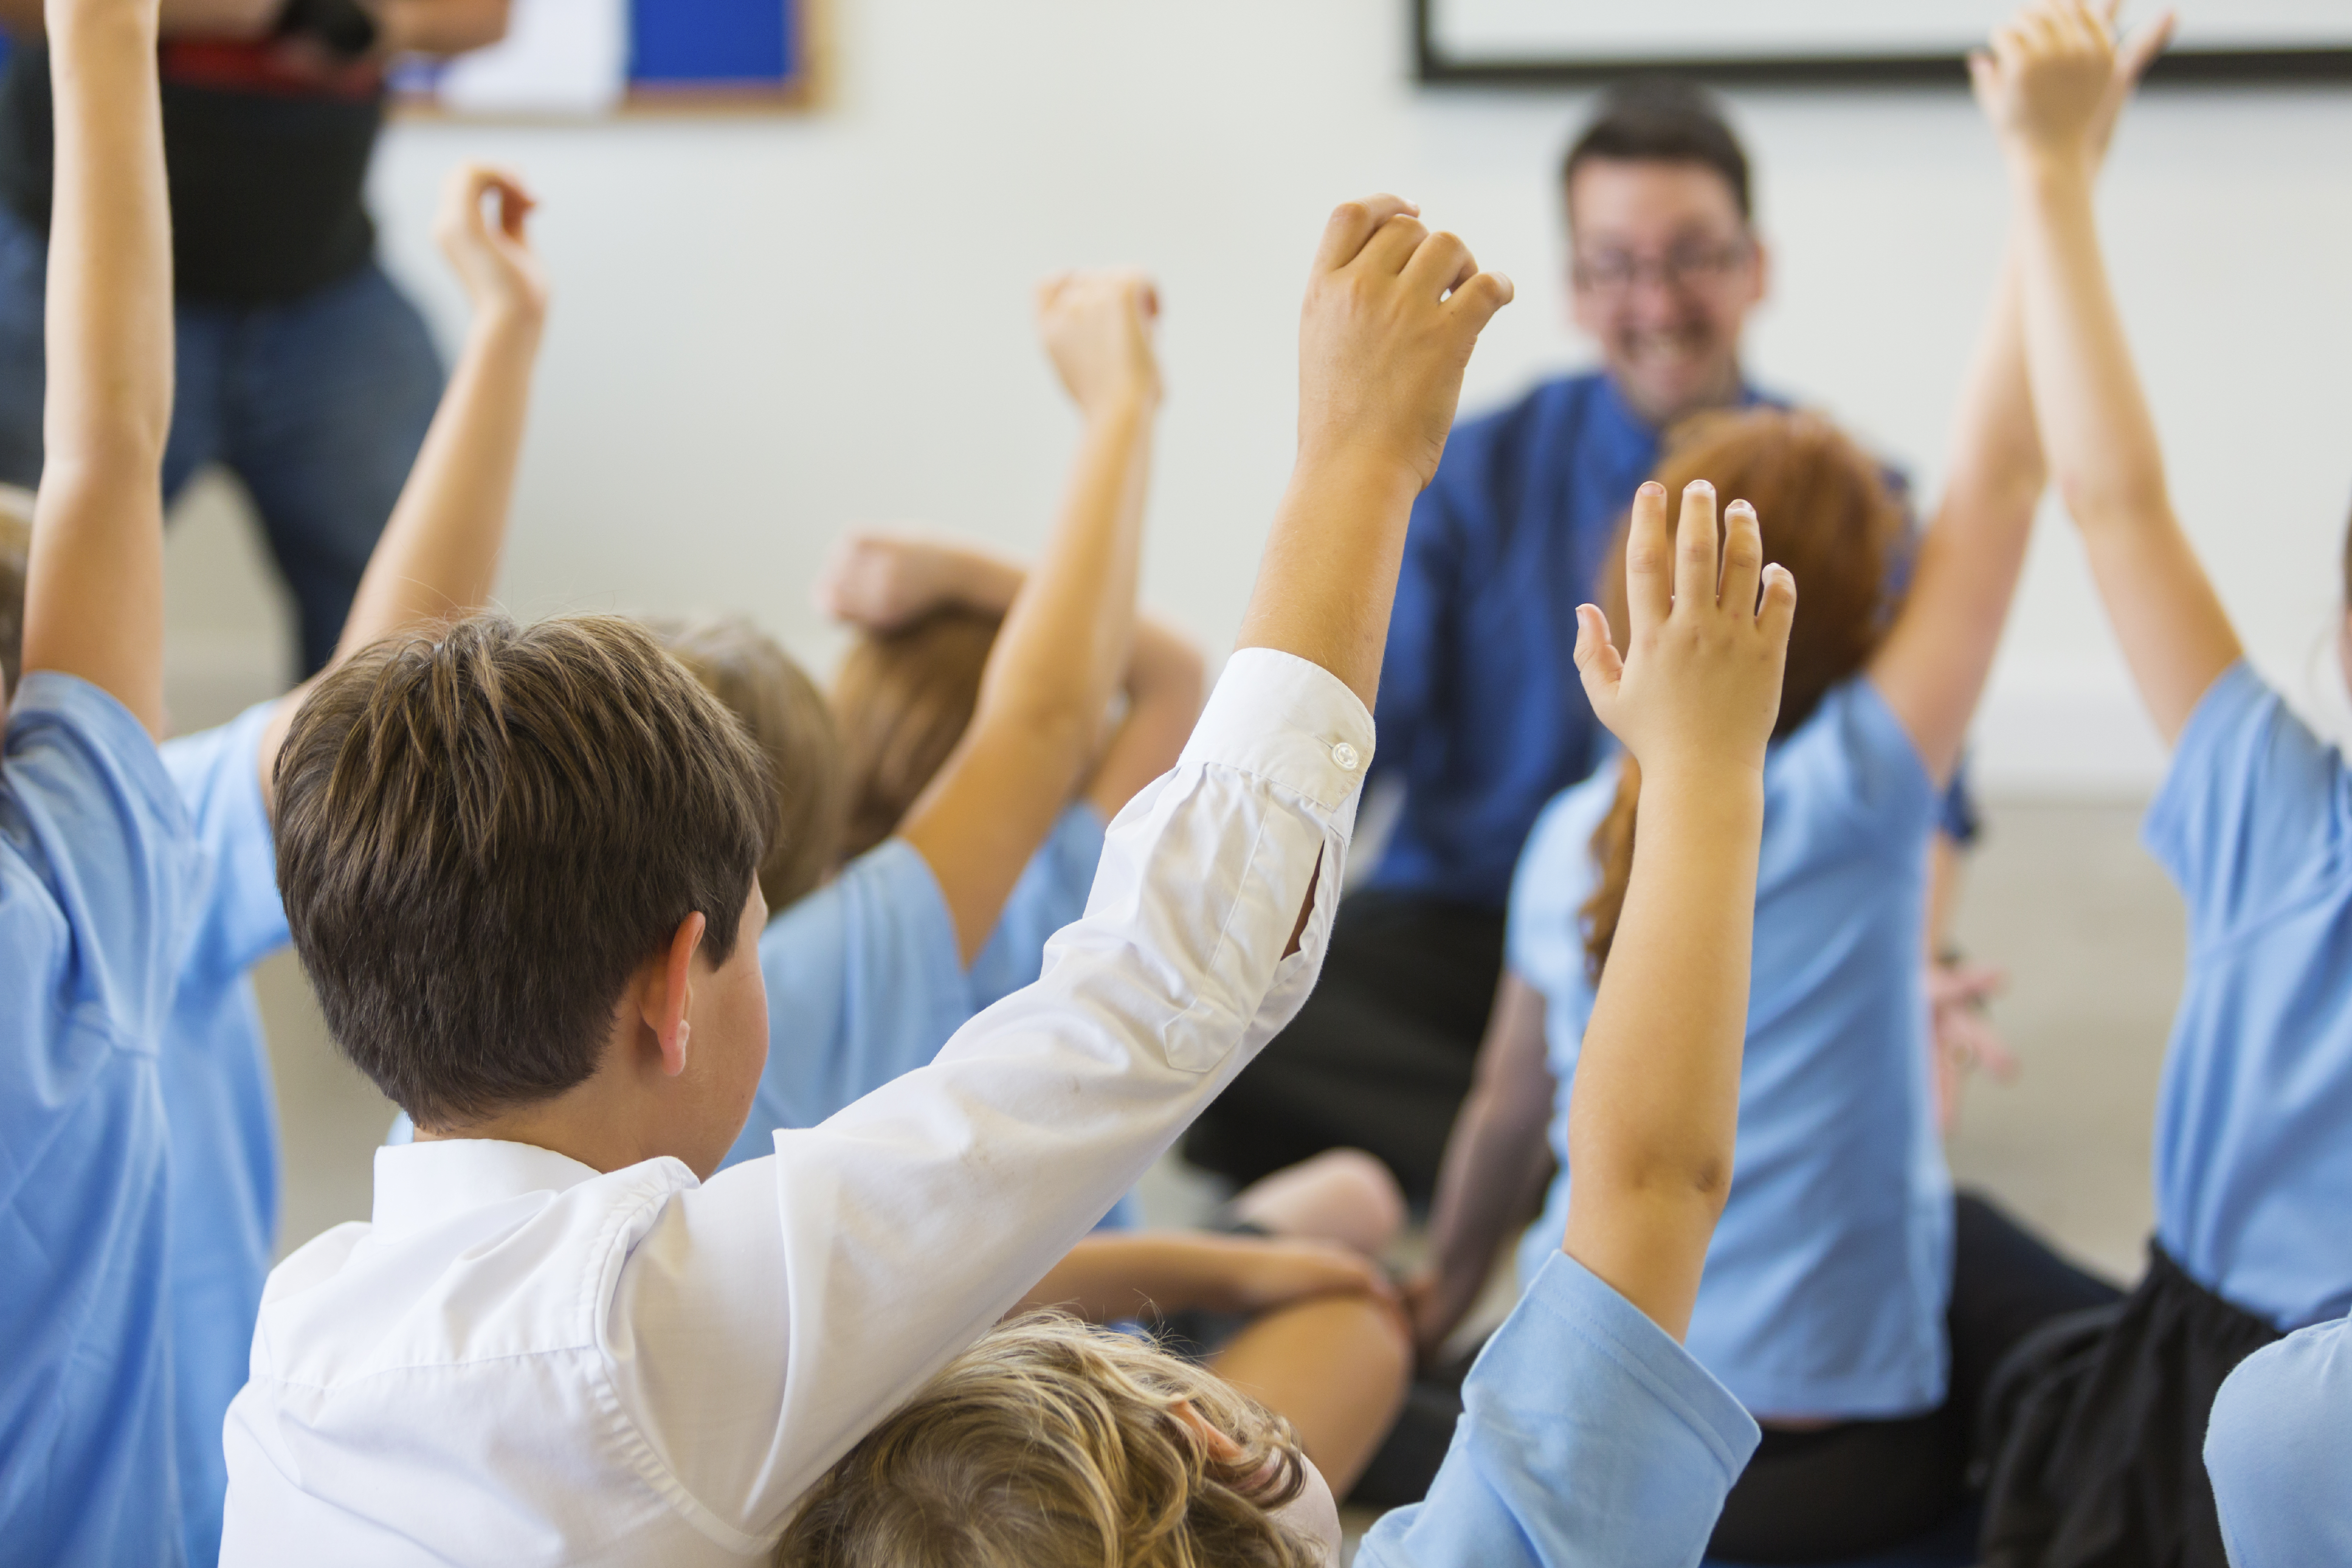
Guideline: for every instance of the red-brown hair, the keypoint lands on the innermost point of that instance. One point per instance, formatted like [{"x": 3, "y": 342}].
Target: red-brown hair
[{"x": 1828, "y": 515}]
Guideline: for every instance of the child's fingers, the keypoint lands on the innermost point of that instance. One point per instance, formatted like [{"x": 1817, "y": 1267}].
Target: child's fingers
[
  {"x": 1649, "y": 580},
  {"x": 1392, "y": 247},
  {"x": 1442, "y": 265},
  {"x": 1779, "y": 612},
  {"x": 1695, "y": 547},
  {"x": 1353, "y": 223},
  {"x": 2139, "y": 51},
  {"x": 1597, "y": 660},
  {"x": 1743, "y": 559},
  {"x": 1476, "y": 300}
]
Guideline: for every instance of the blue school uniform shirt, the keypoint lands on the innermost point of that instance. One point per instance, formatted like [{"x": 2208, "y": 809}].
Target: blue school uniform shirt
[
  {"x": 1588, "y": 1438},
  {"x": 1482, "y": 716},
  {"x": 865, "y": 980},
  {"x": 2253, "y": 1121},
  {"x": 215, "y": 1072},
  {"x": 1829, "y": 1275},
  {"x": 96, "y": 867},
  {"x": 2278, "y": 1450}
]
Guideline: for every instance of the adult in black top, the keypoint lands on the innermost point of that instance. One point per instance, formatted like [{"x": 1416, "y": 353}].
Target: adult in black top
[{"x": 300, "y": 366}]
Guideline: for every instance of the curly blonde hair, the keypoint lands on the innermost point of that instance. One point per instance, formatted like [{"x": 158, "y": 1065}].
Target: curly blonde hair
[{"x": 1056, "y": 1443}]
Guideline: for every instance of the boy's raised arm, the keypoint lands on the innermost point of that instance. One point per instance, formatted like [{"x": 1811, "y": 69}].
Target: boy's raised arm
[
  {"x": 2043, "y": 88},
  {"x": 1657, "y": 1105},
  {"x": 439, "y": 553},
  {"x": 94, "y": 591},
  {"x": 1392, "y": 313},
  {"x": 1066, "y": 637}
]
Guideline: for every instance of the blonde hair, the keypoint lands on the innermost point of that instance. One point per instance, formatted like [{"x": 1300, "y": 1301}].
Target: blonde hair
[
  {"x": 1055, "y": 1444},
  {"x": 790, "y": 722},
  {"x": 16, "y": 553},
  {"x": 904, "y": 700}
]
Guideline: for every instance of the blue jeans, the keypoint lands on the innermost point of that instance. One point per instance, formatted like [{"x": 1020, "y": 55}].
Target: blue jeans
[{"x": 318, "y": 404}]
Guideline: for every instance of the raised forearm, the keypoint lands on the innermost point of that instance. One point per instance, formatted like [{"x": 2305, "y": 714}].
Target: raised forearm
[
  {"x": 1065, "y": 640},
  {"x": 1655, "y": 1113},
  {"x": 210, "y": 18},
  {"x": 2103, "y": 446},
  {"x": 94, "y": 602},
  {"x": 1329, "y": 575},
  {"x": 2103, "y": 441},
  {"x": 439, "y": 553}
]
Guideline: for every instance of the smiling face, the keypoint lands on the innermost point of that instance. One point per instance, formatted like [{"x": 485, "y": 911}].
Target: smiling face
[{"x": 1664, "y": 271}]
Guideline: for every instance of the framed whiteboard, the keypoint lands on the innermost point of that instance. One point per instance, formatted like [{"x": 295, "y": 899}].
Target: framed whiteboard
[{"x": 1862, "y": 41}]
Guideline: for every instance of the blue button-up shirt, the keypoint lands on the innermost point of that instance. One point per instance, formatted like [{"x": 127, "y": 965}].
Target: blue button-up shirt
[{"x": 1482, "y": 717}]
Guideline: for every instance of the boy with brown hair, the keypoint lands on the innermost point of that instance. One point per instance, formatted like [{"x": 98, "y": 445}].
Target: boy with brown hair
[{"x": 519, "y": 862}]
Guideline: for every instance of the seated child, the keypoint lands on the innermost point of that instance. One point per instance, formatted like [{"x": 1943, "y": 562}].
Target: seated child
[
  {"x": 2102, "y": 1461},
  {"x": 1591, "y": 1436},
  {"x": 519, "y": 863},
  {"x": 96, "y": 858},
  {"x": 1831, "y": 1307},
  {"x": 866, "y": 982}
]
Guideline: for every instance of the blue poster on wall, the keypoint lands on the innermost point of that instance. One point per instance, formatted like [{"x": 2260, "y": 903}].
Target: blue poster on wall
[{"x": 590, "y": 56}]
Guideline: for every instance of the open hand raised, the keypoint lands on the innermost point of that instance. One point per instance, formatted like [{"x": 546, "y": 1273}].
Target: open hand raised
[{"x": 1697, "y": 685}]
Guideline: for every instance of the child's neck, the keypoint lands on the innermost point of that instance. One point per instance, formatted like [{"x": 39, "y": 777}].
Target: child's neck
[{"x": 607, "y": 1123}]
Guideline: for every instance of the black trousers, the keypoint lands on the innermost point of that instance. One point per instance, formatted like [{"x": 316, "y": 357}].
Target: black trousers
[
  {"x": 2096, "y": 1432},
  {"x": 1863, "y": 1487},
  {"x": 1378, "y": 1059}
]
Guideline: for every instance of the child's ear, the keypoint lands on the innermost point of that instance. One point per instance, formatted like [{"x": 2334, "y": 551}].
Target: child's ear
[{"x": 669, "y": 997}]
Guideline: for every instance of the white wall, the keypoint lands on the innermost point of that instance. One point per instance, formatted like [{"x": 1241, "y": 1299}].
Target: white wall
[{"x": 770, "y": 327}]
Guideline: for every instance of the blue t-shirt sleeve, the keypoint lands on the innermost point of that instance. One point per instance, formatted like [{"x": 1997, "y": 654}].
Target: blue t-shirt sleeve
[
  {"x": 1051, "y": 894},
  {"x": 95, "y": 859},
  {"x": 2252, "y": 815},
  {"x": 1588, "y": 1438},
  {"x": 240, "y": 918},
  {"x": 2279, "y": 1451},
  {"x": 1851, "y": 773},
  {"x": 865, "y": 984}
]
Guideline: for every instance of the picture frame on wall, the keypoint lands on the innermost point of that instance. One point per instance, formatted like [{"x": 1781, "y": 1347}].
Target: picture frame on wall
[
  {"x": 1574, "y": 42},
  {"x": 570, "y": 60}
]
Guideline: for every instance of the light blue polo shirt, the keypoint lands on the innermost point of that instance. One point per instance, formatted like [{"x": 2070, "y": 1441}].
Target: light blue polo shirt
[
  {"x": 1588, "y": 1438},
  {"x": 865, "y": 980},
  {"x": 1829, "y": 1275},
  {"x": 2279, "y": 1451},
  {"x": 2253, "y": 1121},
  {"x": 96, "y": 868},
  {"x": 217, "y": 1092}
]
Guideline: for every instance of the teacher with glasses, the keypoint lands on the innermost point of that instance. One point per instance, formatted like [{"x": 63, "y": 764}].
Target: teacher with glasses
[{"x": 1482, "y": 717}]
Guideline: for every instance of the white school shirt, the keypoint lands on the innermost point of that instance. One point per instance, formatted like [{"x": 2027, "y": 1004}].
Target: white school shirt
[{"x": 522, "y": 1361}]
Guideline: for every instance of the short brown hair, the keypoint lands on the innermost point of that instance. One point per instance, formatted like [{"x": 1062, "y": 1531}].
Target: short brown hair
[
  {"x": 482, "y": 831},
  {"x": 1663, "y": 119},
  {"x": 791, "y": 724},
  {"x": 1827, "y": 513},
  {"x": 16, "y": 553},
  {"x": 904, "y": 700},
  {"x": 1054, "y": 1444}
]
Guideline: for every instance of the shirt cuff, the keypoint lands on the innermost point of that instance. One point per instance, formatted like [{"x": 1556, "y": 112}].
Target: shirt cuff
[
  {"x": 1288, "y": 720},
  {"x": 1522, "y": 1365}
]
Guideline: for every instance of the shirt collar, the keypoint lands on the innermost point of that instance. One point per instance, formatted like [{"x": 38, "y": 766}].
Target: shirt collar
[
  {"x": 1613, "y": 402},
  {"x": 421, "y": 1185}
]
